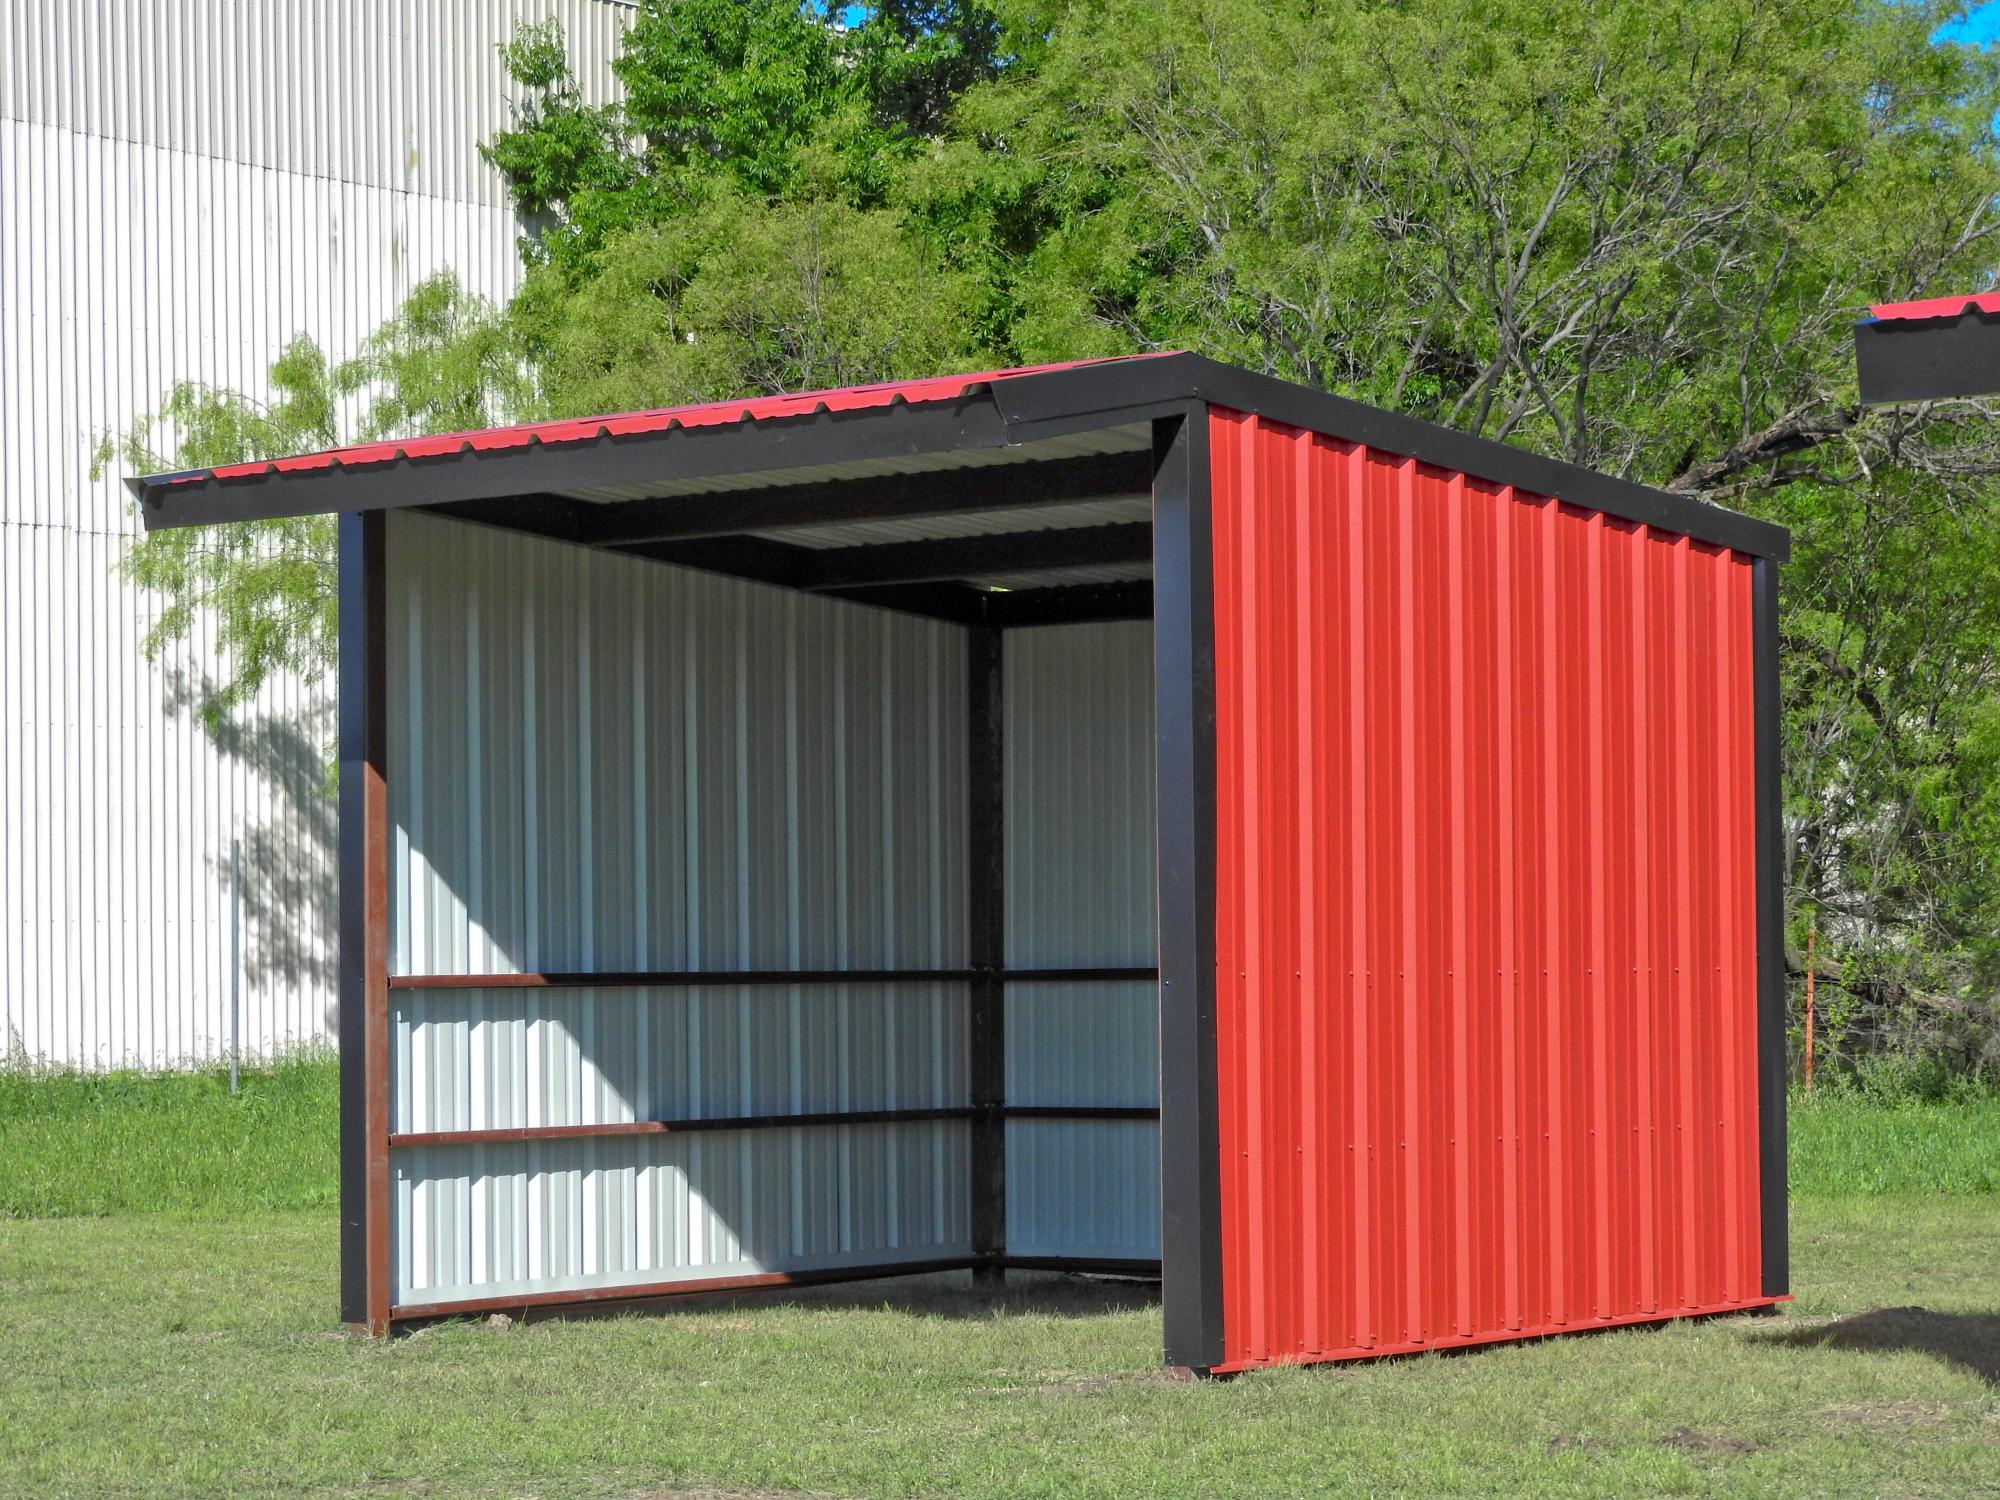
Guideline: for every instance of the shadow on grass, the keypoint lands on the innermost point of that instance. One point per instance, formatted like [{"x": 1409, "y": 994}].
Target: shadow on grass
[
  {"x": 947, "y": 1294},
  {"x": 1969, "y": 1340}
]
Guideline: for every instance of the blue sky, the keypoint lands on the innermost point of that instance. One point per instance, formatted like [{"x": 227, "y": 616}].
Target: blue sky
[{"x": 1982, "y": 25}]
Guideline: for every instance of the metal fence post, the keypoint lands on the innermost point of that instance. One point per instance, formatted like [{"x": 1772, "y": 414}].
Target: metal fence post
[{"x": 235, "y": 958}]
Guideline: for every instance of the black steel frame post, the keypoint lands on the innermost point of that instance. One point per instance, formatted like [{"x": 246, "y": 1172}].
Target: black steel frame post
[
  {"x": 1771, "y": 1068},
  {"x": 365, "y": 1295},
  {"x": 1184, "y": 672},
  {"x": 986, "y": 1038}
]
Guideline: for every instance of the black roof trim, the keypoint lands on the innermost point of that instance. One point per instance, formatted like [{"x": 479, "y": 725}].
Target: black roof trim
[
  {"x": 1002, "y": 413},
  {"x": 1928, "y": 359},
  {"x": 1097, "y": 395},
  {"x": 897, "y": 430}
]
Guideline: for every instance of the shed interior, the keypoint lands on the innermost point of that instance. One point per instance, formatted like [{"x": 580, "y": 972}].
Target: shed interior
[{"x": 786, "y": 912}]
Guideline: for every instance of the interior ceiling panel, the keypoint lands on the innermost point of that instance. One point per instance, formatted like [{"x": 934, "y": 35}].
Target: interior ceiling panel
[
  {"x": 970, "y": 523},
  {"x": 1045, "y": 578},
  {"x": 1133, "y": 437}
]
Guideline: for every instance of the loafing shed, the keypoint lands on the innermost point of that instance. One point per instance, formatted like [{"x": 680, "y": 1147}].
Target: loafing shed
[{"x": 1137, "y": 815}]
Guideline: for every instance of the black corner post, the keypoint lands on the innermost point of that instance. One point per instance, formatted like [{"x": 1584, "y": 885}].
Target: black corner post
[
  {"x": 1184, "y": 677},
  {"x": 986, "y": 885},
  {"x": 1771, "y": 1067},
  {"x": 364, "y": 920}
]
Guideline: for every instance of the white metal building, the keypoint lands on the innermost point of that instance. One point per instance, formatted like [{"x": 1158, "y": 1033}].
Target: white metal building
[{"x": 297, "y": 166}]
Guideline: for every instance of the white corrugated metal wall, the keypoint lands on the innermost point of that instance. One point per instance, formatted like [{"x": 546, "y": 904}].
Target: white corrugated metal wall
[
  {"x": 185, "y": 185},
  {"x": 1079, "y": 853},
  {"x": 602, "y": 764}
]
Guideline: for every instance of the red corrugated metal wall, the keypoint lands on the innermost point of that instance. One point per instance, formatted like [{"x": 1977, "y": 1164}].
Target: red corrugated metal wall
[{"x": 1485, "y": 909}]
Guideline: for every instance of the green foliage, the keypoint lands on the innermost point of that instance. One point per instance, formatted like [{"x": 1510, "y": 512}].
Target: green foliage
[
  {"x": 559, "y": 146},
  {"x": 768, "y": 98},
  {"x": 268, "y": 586},
  {"x": 1634, "y": 235},
  {"x": 738, "y": 296},
  {"x": 127, "y": 1142},
  {"x": 447, "y": 361},
  {"x": 737, "y": 87},
  {"x": 911, "y": 59},
  {"x": 1629, "y": 234}
]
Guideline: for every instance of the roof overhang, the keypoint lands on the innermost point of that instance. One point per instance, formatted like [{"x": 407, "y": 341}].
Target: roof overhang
[{"x": 761, "y": 488}]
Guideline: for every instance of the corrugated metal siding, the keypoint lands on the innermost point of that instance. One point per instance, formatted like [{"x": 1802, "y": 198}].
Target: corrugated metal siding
[
  {"x": 1079, "y": 796},
  {"x": 503, "y": 1220},
  {"x": 183, "y": 187},
  {"x": 714, "y": 774},
  {"x": 391, "y": 94},
  {"x": 503, "y": 1058},
  {"x": 117, "y": 816},
  {"x": 1088, "y": 1043},
  {"x": 1079, "y": 853},
  {"x": 127, "y": 266},
  {"x": 1485, "y": 901},
  {"x": 1087, "y": 1189},
  {"x": 597, "y": 763}
]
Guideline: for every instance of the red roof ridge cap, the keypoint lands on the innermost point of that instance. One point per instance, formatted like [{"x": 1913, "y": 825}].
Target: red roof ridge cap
[{"x": 1929, "y": 309}]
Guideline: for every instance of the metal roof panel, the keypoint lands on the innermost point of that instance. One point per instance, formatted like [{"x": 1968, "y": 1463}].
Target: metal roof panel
[
  {"x": 630, "y": 424},
  {"x": 1930, "y": 308}
]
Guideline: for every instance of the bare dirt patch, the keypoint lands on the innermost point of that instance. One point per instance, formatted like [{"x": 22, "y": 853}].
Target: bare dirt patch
[
  {"x": 1570, "y": 1442},
  {"x": 1907, "y": 1416},
  {"x": 1690, "y": 1440},
  {"x": 1098, "y": 1385}
]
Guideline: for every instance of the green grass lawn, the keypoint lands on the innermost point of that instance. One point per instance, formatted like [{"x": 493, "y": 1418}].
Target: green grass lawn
[{"x": 193, "y": 1351}]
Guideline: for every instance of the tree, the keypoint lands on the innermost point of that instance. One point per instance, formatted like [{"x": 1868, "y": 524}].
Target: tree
[
  {"x": 738, "y": 224},
  {"x": 740, "y": 297},
  {"x": 771, "y": 98}
]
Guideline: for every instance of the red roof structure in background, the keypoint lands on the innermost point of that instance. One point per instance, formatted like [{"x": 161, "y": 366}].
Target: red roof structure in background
[
  {"x": 589, "y": 429},
  {"x": 1935, "y": 349},
  {"x": 1930, "y": 308}
]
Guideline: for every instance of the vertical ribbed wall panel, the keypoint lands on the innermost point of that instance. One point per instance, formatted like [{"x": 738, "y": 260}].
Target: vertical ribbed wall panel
[
  {"x": 527, "y": 1058},
  {"x": 393, "y": 94},
  {"x": 1079, "y": 799},
  {"x": 1091, "y": 1042},
  {"x": 1088, "y": 1188},
  {"x": 184, "y": 186},
  {"x": 1084, "y": 1189},
  {"x": 1485, "y": 894},
  {"x": 118, "y": 817},
  {"x": 597, "y": 763},
  {"x": 527, "y": 1218},
  {"x": 1079, "y": 852}
]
